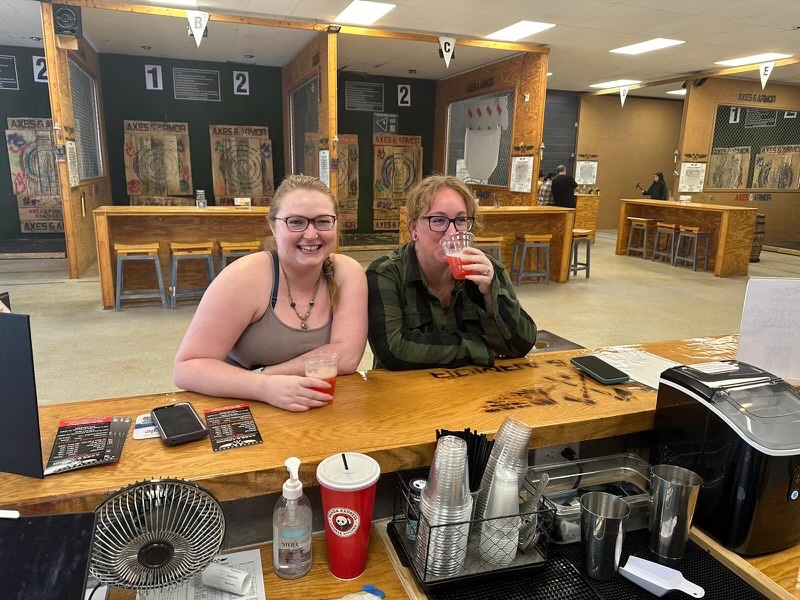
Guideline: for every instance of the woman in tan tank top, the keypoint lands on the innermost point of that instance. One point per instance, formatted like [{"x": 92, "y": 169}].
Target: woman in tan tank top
[{"x": 269, "y": 308}]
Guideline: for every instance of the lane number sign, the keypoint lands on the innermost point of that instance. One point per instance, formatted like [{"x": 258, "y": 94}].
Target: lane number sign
[
  {"x": 241, "y": 83},
  {"x": 403, "y": 95},
  {"x": 152, "y": 77},
  {"x": 39, "y": 69}
]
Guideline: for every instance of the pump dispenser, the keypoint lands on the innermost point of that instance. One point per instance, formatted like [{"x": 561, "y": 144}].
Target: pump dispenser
[{"x": 291, "y": 527}]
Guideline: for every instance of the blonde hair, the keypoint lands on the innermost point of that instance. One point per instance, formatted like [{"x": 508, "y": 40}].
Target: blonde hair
[
  {"x": 420, "y": 199},
  {"x": 293, "y": 183}
]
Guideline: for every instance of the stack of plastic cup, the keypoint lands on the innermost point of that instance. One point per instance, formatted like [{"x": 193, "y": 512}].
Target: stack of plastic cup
[
  {"x": 510, "y": 451},
  {"x": 446, "y": 506},
  {"x": 500, "y": 532}
]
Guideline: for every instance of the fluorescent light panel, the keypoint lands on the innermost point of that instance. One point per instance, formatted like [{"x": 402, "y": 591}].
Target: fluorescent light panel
[
  {"x": 519, "y": 30},
  {"x": 648, "y": 46},
  {"x": 752, "y": 60},
  {"x": 615, "y": 83},
  {"x": 549, "y": 74},
  {"x": 363, "y": 12},
  {"x": 677, "y": 92}
]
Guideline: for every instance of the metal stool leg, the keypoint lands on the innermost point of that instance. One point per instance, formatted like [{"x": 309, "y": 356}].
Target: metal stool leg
[
  {"x": 630, "y": 240},
  {"x": 514, "y": 260},
  {"x": 588, "y": 257},
  {"x": 210, "y": 268},
  {"x": 522, "y": 264},
  {"x": 173, "y": 280},
  {"x": 118, "y": 302},
  {"x": 547, "y": 264},
  {"x": 160, "y": 276}
]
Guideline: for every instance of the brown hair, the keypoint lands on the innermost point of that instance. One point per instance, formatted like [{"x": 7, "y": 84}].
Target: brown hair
[
  {"x": 293, "y": 183},
  {"x": 421, "y": 197}
]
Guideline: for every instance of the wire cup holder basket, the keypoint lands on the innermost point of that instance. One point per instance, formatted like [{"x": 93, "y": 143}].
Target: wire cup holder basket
[{"x": 453, "y": 553}]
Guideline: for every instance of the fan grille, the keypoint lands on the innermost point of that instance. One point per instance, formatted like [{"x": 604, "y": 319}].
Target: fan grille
[{"x": 155, "y": 534}]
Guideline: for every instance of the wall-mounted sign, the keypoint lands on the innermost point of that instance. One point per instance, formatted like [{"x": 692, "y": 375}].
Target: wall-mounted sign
[
  {"x": 325, "y": 167},
  {"x": 39, "y": 69},
  {"x": 765, "y": 98},
  {"x": 72, "y": 164},
  {"x": 8, "y": 73},
  {"x": 586, "y": 172},
  {"x": 753, "y": 197},
  {"x": 693, "y": 177},
  {"x": 404, "y": 94},
  {"x": 385, "y": 123},
  {"x": 361, "y": 95},
  {"x": 480, "y": 85},
  {"x": 241, "y": 83},
  {"x": 196, "y": 84},
  {"x": 396, "y": 140},
  {"x": 152, "y": 77},
  {"x": 521, "y": 174}
]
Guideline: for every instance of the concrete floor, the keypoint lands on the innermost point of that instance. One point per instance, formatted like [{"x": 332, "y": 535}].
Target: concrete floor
[{"x": 83, "y": 352}]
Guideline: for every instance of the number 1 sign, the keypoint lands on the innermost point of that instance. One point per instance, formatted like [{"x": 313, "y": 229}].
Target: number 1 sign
[{"x": 152, "y": 77}]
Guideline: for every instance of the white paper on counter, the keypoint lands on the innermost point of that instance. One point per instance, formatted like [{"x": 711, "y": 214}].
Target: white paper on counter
[
  {"x": 247, "y": 560},
  {"x": 639, "y": 365},
  {"x": 769, "y": 336}
]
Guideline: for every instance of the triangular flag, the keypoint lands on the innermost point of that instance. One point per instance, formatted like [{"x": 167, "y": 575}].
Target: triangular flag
[
  {"x": 197, "y": 24},
  {"x": 765, "y": 70},
  {"x": 623, "y": 93},
  {"x": 447, "y": 45}
]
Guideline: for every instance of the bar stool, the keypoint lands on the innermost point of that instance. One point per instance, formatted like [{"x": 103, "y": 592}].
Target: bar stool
[
  {"x": 490, "y": 245},
  {"x": 235, "y": 250},
  {"x": 525, "y": 242},
  {"x": 581, "y": 237},
  {"x": 644, "y": 226},
  {"x": 665, "y": 234},
  {"x": 179, "y": 251},
  {"x": 691, "y": 237},
  {"x": 129, "y": 252}
]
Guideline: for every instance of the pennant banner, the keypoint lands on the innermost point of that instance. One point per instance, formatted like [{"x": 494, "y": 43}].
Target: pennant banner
[
  {"x": 447, "y": 45},
  {"x": 765, "y": 70},
  {"x": 197, "y": 24},
  {"x": 623, "y": 93}
]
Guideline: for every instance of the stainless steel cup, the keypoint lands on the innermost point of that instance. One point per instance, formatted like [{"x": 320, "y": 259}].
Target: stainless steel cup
[
  {"x": 604, "y": 520},
  {"x": 673, "y": 496}
]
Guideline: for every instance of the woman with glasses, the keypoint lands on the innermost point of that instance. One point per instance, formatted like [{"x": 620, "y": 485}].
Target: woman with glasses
[
  {"x": 269, "y": 308},
  {"x": 419, "y": 316}
]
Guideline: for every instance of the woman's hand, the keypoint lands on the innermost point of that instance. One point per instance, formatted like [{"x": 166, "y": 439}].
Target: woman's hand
[
  {"x": 480, "y": 269},
  {"x": 295, "y": 393}
]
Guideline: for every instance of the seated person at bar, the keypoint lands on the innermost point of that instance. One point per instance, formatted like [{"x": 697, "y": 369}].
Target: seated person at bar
[
  {"x": 419, "y": 316},
  {"x": 658, "y": 189},
  {"x": 269, "y": 308}
]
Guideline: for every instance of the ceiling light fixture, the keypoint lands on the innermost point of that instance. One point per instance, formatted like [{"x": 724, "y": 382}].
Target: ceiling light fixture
[
  {"x": 249, "y": 55},
  {"x": 174, "y": 3},
  {"x": 549, "y": 74},
  {"x": 648, "y": 46},
  {"x": 677, "y": 92},
  {"x": 36, "y": 38},
  {"x": 752, "y": 60},
  {"x": 146, "y": 47},
  {"x": 363, "y": 12},
  {"x": 519, "y": 30},
  {"x": 615, "y": 83}
]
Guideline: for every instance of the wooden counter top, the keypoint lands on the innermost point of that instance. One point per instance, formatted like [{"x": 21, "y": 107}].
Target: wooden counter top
[
  {"x": 149, "y": 211},
  {"x": 392, "y": 416},
  {"x": 691, "y": 205},
  {"x": 524, "y": 210}
]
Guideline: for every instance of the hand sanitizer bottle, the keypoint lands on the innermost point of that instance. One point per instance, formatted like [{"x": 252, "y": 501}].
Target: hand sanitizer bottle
[{"x": 291, "y": 527}]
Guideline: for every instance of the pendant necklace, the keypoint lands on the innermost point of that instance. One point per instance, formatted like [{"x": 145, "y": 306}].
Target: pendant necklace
[{"x": 293, "y": 304}]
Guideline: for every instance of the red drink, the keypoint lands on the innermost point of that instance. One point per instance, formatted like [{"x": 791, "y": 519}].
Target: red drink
[
  {"x": 457, "y": 266},
  {"x": 332, "y": 381}
]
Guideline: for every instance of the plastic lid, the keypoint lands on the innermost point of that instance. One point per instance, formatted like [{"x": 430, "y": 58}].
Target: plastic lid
[
  {"x": 293, "y": 487},
  {"x": 348, "y": 472}
]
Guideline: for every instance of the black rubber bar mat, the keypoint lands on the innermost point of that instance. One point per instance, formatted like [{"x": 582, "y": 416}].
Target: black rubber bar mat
[{"x": 561, "y": 578}]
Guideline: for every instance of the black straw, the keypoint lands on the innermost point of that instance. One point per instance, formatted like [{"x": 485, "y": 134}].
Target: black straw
[{"x": 344, "y": 460}]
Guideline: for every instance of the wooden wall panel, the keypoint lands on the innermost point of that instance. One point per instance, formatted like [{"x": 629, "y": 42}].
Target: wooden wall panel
[
  {"x": 526, "y": 73},
  {"x": 783, "y": 216},
  {"x": 631, "y": 143},
  {"x": 78, "y": 202}
]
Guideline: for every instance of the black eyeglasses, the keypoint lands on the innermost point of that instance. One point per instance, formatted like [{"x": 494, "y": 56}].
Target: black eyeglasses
[
  {"x": 439, "y": 223},
  {"x": 321, "y": 223}
]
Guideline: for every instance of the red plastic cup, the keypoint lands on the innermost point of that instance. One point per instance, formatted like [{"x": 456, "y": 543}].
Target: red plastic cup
[
  {"x": 453, "y": 247},
  {"x": 347, "y": 484}
]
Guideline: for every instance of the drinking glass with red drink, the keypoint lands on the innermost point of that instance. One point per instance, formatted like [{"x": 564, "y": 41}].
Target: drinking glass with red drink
[
  {"x": 324, "y": 366},
  {"x": 453, "y": 247}
]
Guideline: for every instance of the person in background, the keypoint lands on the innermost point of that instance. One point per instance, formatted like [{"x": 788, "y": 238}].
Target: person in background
[
  {"x": 419, "y": 316},
  {"x": 658, "y": 189},
  {"x": 540, "y": 181},
  {"x": 545, "y": 197},
  {"x": 269, "y": 308},
  {"x": 564, "y": 188}
]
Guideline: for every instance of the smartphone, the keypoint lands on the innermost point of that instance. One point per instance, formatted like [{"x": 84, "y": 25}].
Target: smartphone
[
  {"x": 598, "y": 369},
  {"x": 178, "y": 423}
]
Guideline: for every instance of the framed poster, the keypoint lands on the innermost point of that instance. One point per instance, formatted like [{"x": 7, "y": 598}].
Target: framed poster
[
  {"x": 586, "y": 172},
  {"x": 693, "y": 177}
]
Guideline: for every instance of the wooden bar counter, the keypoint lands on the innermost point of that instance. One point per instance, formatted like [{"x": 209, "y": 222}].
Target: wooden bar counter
[
  {"x": 731, "y": 229},
  {"x": 164, "y": 224},
  {"x": 586, "y": 209},
  {"x": 510, "y": 220}
]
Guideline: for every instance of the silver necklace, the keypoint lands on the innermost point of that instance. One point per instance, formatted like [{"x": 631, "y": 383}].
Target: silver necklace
[{"x": 293, "y": 304}]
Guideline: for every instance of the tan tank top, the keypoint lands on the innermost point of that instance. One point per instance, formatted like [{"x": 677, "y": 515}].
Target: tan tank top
[{"x": 270, "y": 341}]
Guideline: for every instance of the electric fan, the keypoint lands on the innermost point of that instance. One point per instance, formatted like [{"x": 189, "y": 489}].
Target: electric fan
[{"x": 155, "y": 534}]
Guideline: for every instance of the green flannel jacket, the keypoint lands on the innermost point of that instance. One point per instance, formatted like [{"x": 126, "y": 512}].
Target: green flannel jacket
[{"x": 409, "y": 329}]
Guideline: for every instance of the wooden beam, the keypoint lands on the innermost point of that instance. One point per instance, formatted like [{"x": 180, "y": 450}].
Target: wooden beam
[{"x": 699, "y": 75}]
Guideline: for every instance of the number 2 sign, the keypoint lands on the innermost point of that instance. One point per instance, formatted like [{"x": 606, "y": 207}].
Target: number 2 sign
[
  {"x": 241, "y": 83},
  {"x": 152, "y": 77},
  {"x": 39, "y": 69}
]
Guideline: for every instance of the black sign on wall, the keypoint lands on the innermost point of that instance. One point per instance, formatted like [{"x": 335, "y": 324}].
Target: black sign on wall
[
  {"x": 385, "y": 123},
  {"x": 8, "y": 73}
]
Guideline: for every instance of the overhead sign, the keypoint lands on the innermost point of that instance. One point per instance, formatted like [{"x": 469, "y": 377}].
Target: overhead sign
[
  {"x": 623, "y": 93},
  {"x": 447, "y": 45},
  {"x": 197, "y": 24},
  {"x": 764, "y": 71},
  {"x": 385, "y": 123}
]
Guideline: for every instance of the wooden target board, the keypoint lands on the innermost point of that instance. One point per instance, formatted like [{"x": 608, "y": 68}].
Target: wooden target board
[
  {"x": 777, "y": 168},
  {"x": 241, "y": 163},
  {"x": 397, "y": 169},
  {"x": 157, "y": 159},
  {"x": 728, "y": 168},
  {"x": 348, "y": 181},
  {"x": 310, "y": 155},
  {"x": 34, "y": 175}
]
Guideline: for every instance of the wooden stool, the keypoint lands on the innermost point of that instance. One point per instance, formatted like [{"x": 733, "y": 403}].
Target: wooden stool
[
  {"x": 235, "y": 250},
  {"x": 127, "y": 252},
  {"x": 490, "y": 245},
  {"x": 691, "y": 237},
  {"x": 178, "y": 251},
  {"x": 525, "y": 242},
  {"x": 581, "y": 237},
  {"x": 665, "y": 232},
  {"x": 644, "y": 226}
]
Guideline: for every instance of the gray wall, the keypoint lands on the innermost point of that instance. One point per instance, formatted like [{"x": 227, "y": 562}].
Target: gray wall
[{"x": 560, "y": 133}]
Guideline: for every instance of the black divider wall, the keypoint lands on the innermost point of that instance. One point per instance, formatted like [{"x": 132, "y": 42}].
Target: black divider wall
[
  {"x": 560, "y": 132},
  {"x": 31, "y": 100},
  {"x": 126, "y": 98},
  {"x": 417, "y": 119}
]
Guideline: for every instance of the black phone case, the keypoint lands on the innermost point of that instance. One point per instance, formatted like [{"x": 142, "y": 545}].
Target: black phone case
[
  {"x": 198, "y": 432},
  {"x": 623, "y": 377}
]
